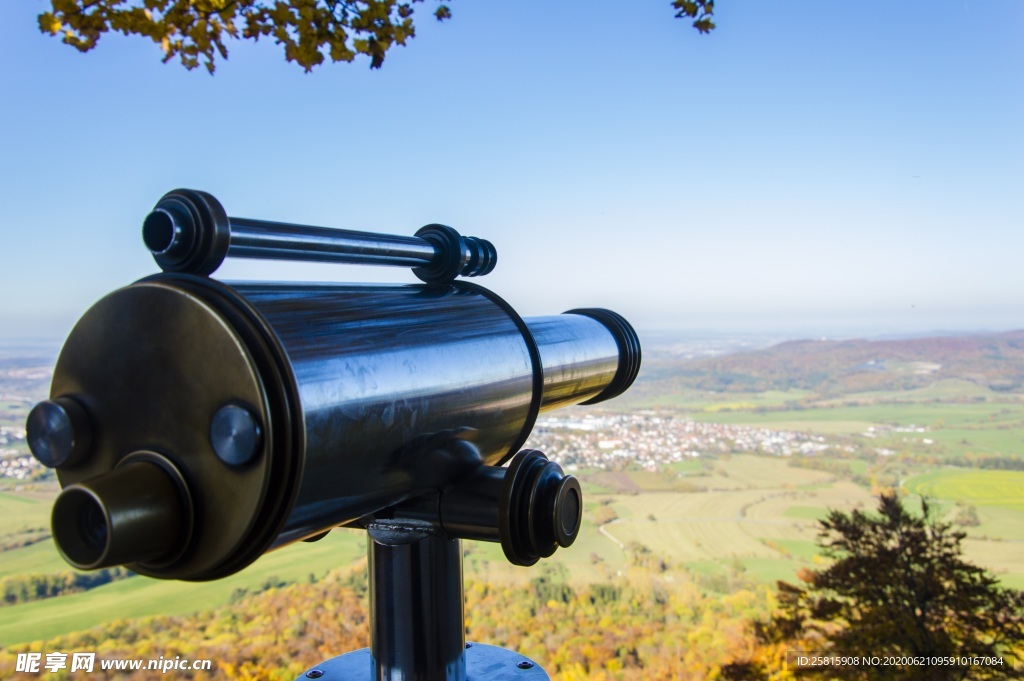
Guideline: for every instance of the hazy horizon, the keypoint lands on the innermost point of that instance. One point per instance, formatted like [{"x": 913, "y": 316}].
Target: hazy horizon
[{"x": 660, "y": 338}]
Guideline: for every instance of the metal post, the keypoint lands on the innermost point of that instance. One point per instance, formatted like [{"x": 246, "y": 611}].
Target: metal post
[
  {"x": 416, "y": 616},
  {"x": 416, "y": 605}
]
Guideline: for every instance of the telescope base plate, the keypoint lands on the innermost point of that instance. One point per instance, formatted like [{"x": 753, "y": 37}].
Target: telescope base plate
[{"x": 483, "y": 663}]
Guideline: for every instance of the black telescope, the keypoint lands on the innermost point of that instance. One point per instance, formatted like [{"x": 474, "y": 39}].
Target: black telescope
[{"x": 195, "y": 424}]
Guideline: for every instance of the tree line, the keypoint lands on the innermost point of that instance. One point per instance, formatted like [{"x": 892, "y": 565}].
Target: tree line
[{"x": 25, "y": 588}]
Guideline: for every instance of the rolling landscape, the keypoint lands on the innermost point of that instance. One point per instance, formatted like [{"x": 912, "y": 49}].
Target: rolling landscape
[{"x": 703, "y": 486}]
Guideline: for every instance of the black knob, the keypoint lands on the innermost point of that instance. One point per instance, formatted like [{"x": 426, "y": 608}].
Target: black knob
[
  {"x": 541, "y": 508},
  {"x": 235, "y": 434},
  {"x": 59, "y": 432},
  {"x": 188, "y": 231}
]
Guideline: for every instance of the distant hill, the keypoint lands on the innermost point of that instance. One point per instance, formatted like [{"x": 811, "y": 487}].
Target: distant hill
[{"x": 995, "y": 361}]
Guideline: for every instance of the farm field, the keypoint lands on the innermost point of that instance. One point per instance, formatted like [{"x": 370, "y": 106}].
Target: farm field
[
  {"x": 993, "y": 426},
  {"x": 989, "y": 414},
  {"x": 770, "y": 529},
  {"x": 1003, "y": 489},
  {"x": 24, "y": 511},
  {"x": 753, "y": 515}
]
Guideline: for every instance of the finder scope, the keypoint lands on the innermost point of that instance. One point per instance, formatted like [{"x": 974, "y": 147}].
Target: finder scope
[
  {"x": 189, "y": 231},
  {"x": 195, "y": 424}
]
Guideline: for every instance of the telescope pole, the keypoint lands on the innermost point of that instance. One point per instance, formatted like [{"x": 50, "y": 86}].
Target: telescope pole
[{"x": 416, "y": 603}]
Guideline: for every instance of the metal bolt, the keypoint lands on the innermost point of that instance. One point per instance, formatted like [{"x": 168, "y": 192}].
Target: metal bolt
[
  {"x": 235, "y": 434},
  {"x": 525, "y": 664},
  {"x": 314, "y": 674}
]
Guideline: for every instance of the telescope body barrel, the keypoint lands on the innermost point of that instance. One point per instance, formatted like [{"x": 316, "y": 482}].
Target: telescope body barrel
[
  {"x": 289, "y": 409},
  {"x": 581, "y": 358},
  {"x": 379, "y": 369}
]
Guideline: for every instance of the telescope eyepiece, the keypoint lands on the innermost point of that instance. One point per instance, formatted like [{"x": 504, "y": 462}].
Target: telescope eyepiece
[
  {"x": 187, "y": 231},
  {"x": 158, "y": 231},
  {"x": 94, "y": 528},
  {"x": 163, "y": 232},
  {"x": 84, "y": 530},
  {"x": 140, "y": 512}
]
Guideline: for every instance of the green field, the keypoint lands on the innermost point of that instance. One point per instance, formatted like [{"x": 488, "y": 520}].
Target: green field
[
  {"x": 691, "y": 467},
  {"x": 939, "y": 414},
  {"x": 805, "y": 512},
  {"x": 1004, "y": 489},
  {"x": 142, "y": 596},
  {"x": 20, "y": 512},
  {"x": 704, "y": 400},
  {"x": 801, "y": 549},
  {"x": 38, "y": 558},
  {"x": 949, "y": 390},
  {"x": 767, "y": 523},
  {"x": 992, "y": 426}
]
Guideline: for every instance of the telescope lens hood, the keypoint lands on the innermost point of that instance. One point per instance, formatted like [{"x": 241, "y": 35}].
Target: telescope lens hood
[{"x": 629, "y": 351}]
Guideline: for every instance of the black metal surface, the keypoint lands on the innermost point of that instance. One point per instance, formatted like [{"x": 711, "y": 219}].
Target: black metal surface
[
  {"x": 540, "y": 508},
  {"x": 152, "y": 363},
  {"x": 416, "y": 606},
  {"x": 469, "y": 509},
  {"x": 59, "y": 432},
  {"x": 531, "y": 507},
  {"x": 483, "y": 663},
  {"x": 189, "y": 231},
  {"x": 379, "y": 371},
  {"x": 235, "y": 434},
  {"x": 629, "y": 354},
  {"x": 454, "y": 255},
  {"x": 579, "y": 355},
  {"x": 537, "y": 383}
]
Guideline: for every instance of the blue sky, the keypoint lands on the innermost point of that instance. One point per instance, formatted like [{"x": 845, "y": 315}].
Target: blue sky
[{"x": 813, "y": 167}]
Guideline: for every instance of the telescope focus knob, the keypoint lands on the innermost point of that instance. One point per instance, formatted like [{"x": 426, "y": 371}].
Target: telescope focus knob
[
  {"x": 59, "y": 432},
  {"x": 541, "y": 508},
  {"x": 458, "y": 255}
]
